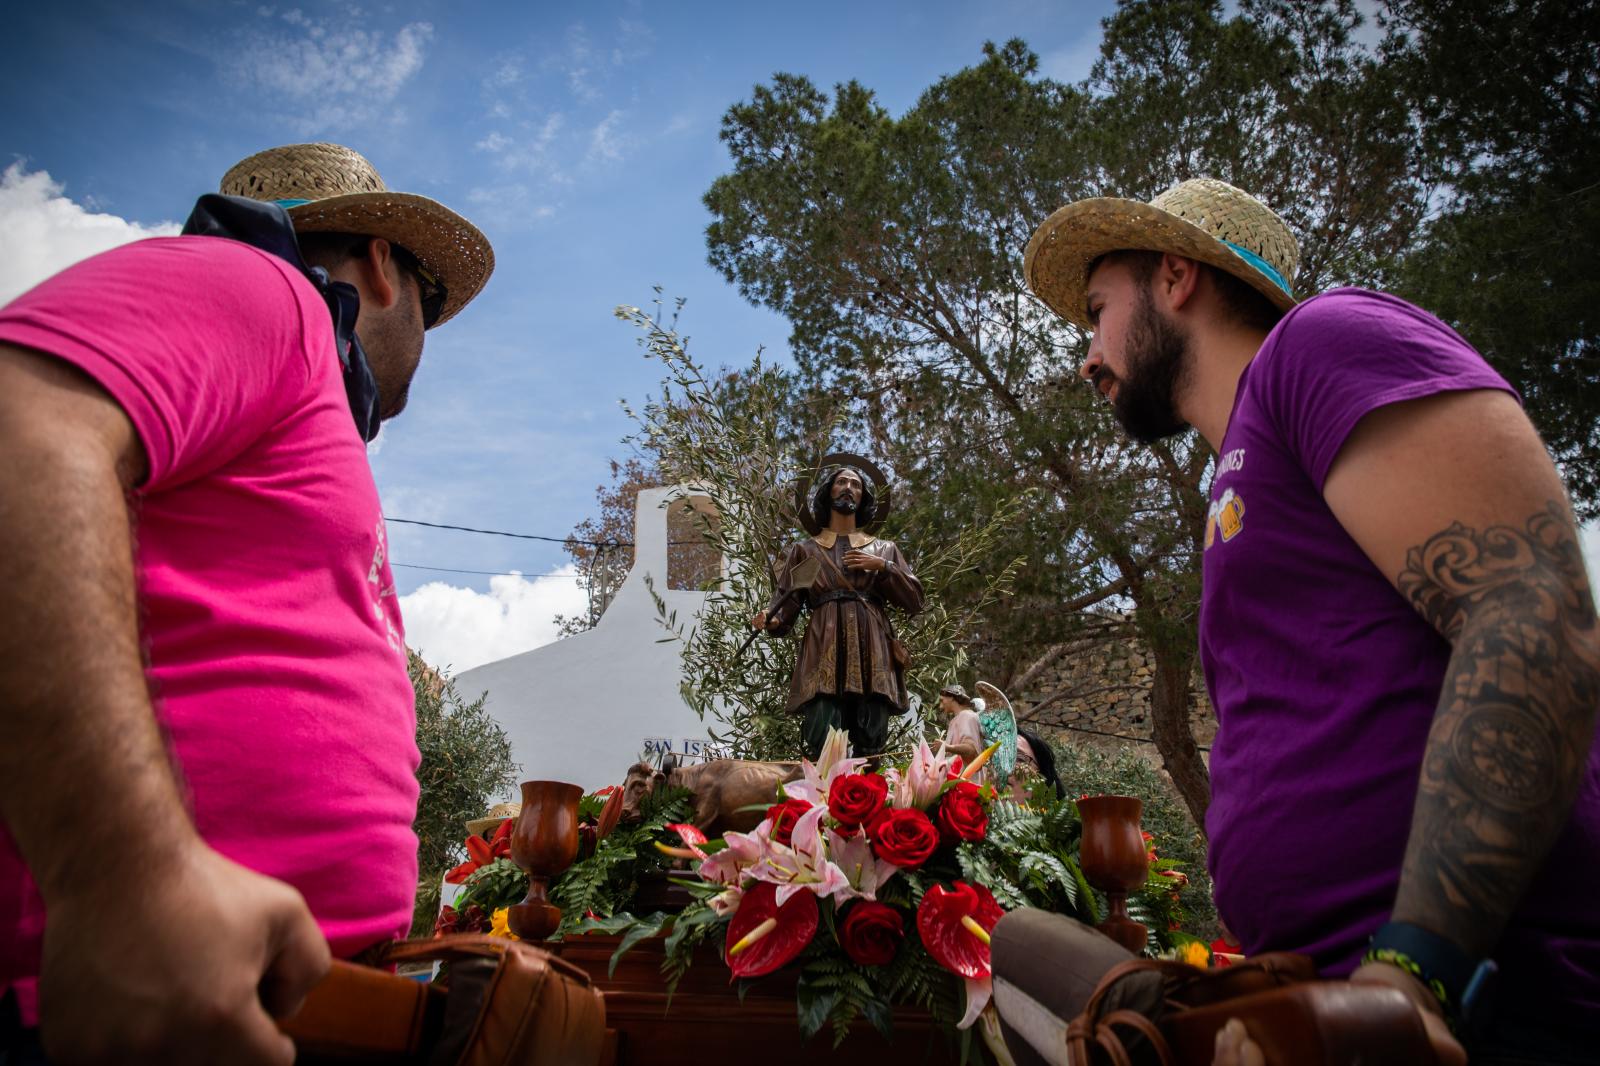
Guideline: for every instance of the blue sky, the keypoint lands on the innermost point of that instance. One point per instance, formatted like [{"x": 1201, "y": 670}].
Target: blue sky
[{"x": 580, "y": 137}]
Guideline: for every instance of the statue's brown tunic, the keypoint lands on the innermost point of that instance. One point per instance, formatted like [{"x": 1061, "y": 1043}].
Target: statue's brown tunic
[{"x": 846, "y": 643}]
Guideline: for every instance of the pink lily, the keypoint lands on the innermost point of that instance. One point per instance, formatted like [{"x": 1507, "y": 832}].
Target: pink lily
[
  {"x": 832, "y": 762},
  {"x": 729, "y": 866},
  {"x": 853, "y": 854},
  {"x": 979, "y": 991},
  {"x": 804, "y": 866},
  {"x": 920, "y": 784},
  {"x": 726, "y": 902}
]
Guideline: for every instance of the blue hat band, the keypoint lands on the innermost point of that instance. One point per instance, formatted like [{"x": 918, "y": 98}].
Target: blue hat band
[{"x": 1243, "y": 253}]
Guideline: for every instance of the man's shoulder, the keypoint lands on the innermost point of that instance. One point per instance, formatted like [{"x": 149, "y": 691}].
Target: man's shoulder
[
  {"x": 1342, "y": 316},
  {"x": 195, "y": 253}
]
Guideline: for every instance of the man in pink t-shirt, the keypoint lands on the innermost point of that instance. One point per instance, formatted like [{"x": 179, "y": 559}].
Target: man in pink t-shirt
[{"x": 208, "y": 780}]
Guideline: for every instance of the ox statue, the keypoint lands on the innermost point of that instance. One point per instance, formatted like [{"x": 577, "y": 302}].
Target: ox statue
[{"x": 720, "y": 788}]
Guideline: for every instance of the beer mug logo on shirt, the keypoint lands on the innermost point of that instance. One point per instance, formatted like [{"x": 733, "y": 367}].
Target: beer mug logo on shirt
[{"x": 1230, "y": 517}]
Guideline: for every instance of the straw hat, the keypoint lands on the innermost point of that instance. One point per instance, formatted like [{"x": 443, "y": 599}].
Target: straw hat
[
  {"x": 1202, "y": 219},
  {"x": 328, "y": 188},
  {"x": 957, "y": 693},
  {"x": 497, "y": 814}
]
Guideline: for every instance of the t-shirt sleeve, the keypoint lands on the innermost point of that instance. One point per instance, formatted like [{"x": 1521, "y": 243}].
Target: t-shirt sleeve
[
  {"x": 1347, "y": 353},
  {"x": 205, "y": 343}
]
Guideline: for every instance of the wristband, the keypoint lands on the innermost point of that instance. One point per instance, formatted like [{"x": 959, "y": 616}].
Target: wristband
[{"x": 1461, "y": 984}]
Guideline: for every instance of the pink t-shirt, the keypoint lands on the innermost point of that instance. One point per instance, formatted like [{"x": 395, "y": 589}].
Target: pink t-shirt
[{"x": 268, "y": 612}]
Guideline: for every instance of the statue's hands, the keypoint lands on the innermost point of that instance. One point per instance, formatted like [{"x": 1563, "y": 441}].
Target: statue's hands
[
  {"x": 856, "y": 559},
  {"x": 761, "y": 621}
]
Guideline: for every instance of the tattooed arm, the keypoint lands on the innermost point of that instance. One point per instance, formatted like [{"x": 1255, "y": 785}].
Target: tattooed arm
[{"x": 1455, "y": 498}]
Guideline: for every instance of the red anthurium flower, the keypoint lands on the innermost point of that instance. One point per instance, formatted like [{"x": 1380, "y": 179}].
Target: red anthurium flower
[
  {"x": 784, "y": 815},
  {"x": 504, "y": 830},
  {"x": 479, "y": 851},
  {"x": 763, "y": 936},
  {"x": 459, "y": 874},
  {"x": 692, "y": 839},
  {"x": 955, "y": 924}
]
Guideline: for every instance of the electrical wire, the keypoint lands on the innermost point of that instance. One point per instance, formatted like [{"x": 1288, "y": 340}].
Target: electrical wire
[{"x": 518, "y": 536}]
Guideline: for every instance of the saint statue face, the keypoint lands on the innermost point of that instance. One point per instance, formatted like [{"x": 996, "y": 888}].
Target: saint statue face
[{"x": 847, "y": 491}]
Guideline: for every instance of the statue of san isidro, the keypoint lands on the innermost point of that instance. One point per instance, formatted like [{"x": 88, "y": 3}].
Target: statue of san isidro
[{"x": 850, "y": 671}]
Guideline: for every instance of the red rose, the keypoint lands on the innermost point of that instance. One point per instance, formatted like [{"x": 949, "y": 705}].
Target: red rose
[
  {"x": 871, "y": 932},
  {"x": 784, "y": 815},
  {"x": 961, "y": 813},
  {"x": 903, "y": 837},
  {"x": 854, "y": 799}
]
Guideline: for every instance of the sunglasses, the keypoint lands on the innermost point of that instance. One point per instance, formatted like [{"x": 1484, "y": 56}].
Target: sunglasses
[{"x": 432, "y": 289}]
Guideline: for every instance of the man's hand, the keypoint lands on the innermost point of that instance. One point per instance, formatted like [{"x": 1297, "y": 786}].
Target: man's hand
[
  {"x": 187, "y": 961},
  {"x": 856, "y": 559},
  {"x": 1445, "y": 1045},
  {"x": 1235, "y": 1048},
  {"x": 762, "y": 622}
]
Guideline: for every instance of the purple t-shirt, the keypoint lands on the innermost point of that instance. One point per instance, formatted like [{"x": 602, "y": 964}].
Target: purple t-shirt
[{"x": 1325, "y": 679}]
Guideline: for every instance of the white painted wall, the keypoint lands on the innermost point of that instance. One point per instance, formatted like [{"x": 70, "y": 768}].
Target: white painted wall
[{"x": 583, "y": 709}]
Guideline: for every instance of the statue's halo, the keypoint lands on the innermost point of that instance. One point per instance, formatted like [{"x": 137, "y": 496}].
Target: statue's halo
[{"x": 805, "y": 483}]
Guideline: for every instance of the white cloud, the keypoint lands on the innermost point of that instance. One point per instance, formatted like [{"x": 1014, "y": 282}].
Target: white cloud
[
  {"x": 336, "y": 75},
  {"x": 43, "y": 232},
  {"x": 495, "y": 142},
  {"x": 460, "y": 628},
  {"x": 605, "y": 142}
]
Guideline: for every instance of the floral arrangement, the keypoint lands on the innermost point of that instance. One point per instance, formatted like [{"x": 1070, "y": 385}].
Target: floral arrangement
[
  {"x": 883, "y": 888},
  {"x": 604, "y": 880},
  {"x": 879, "y": 888}
]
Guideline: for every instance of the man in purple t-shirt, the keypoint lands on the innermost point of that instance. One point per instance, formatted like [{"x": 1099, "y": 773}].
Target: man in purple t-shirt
[
  {"x": 207, "y": 781},
  {"x": 1396, "y": 628}
]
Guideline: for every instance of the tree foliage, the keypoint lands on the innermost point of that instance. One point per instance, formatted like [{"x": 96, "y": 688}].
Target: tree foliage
[
  {"x": 893, "y": 246},
  {"x": 1510, "y": 98},
  {"x": 466, "y": 767},
  {"x": 742, "y": 439}
]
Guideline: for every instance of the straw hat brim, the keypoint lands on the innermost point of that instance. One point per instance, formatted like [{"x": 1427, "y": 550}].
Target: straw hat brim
[
  {"x": 1056, "y": 263},
  {"x": 478, "y": 825},
  {"x": 447, "y": 245}
]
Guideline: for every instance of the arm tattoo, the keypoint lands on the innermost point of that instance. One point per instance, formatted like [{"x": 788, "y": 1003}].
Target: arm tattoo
[{"x": 1515, "y": 719}]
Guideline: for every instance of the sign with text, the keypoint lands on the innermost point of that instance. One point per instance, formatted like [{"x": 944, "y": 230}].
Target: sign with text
[{"x": 696, "y": 749}]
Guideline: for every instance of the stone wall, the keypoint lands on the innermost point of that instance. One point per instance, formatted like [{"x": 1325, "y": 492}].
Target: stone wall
[{"x": 1106, "y": 691}]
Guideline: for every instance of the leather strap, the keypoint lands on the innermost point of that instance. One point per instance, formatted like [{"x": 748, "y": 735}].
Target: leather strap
[
  {"x": 361, "y": 1009},
  {"x": 845, "y": 594}
]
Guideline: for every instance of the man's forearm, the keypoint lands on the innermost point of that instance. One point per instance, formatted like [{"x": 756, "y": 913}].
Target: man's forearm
[
  {"x": 74, "y": 704},
  {"x": 1515, "y": 720}
]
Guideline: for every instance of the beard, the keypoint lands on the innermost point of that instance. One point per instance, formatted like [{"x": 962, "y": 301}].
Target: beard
[
  {"x": 844, "y": 505},
  {"x": 1158, "y": 363}
]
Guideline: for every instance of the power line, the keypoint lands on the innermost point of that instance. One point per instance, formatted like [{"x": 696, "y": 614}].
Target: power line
[
  {"x": 518, "y": 536},
  {"x": 606, "y": 544},
  {"x": 450, "y": 570}
]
